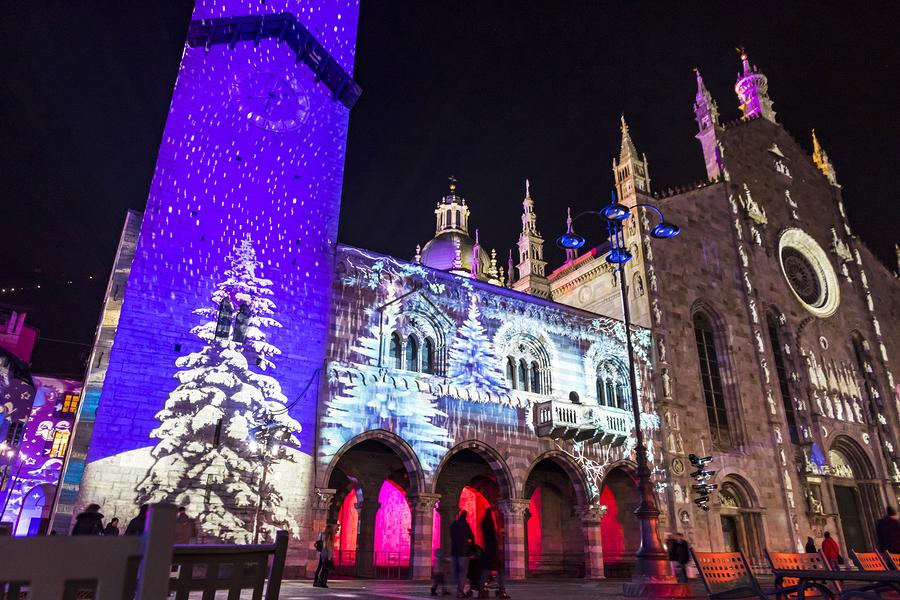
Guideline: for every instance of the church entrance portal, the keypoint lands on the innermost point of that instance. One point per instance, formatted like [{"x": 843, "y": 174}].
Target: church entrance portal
[
  {"x": 555, "y": 543},
  {"x": 619, "y": 527}
]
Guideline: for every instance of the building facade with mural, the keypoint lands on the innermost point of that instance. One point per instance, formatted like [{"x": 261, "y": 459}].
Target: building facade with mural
[{"x": 249, "y": 367}]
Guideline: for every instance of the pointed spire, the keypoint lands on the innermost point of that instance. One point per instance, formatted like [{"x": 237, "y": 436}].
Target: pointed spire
[
  {"x": 510, "y": 268},
  {"x": 820, "y": 157},
  {"x": 745, "y": 61},
  {"x": 627, "y": 150},
  {"x": 752, "y": 89},
  {"x": 704, "y": 105},
  {"x": 527, "y": 188},
  {"x": 418, "y": 257},
  {"x": 706, "y": 112}
]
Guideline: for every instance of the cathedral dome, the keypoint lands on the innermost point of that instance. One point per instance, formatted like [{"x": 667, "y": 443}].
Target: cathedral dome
[{"x": 440, "y": 252}]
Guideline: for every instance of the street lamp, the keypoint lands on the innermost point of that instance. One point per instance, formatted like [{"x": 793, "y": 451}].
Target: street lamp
[{"x": 652, "y": 575}]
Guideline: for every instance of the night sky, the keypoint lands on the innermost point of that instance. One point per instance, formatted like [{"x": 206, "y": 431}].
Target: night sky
[{"x": 491, "y": 92}]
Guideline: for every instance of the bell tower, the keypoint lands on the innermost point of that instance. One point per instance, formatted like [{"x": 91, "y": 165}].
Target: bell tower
[
  {"x": 531, "y": 252},
  {"x": 630, "y": 171}
]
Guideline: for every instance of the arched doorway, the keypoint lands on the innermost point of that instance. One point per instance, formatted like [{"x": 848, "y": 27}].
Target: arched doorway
[
  {"x": 856, "y": 498},
  {"x": 740, "y": 519},
  {"x": 34, "y": 516},
  {"x": 373, "y": 477},
  {"x": 554, "y": 537},
  {"x": 473, "y": 479},
  {"x": 619, "y": 527}
]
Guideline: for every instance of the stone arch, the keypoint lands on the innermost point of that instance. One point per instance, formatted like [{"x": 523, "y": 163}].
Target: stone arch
[
  {"x": 737, "y": 504},
  {"x": 394, "y": 442},
  {"x": 492, "y": 457},
  {"x": 860, "y": 461},
  {"x": 856, "y": 495},
  {"x": 576, "y": 475}
]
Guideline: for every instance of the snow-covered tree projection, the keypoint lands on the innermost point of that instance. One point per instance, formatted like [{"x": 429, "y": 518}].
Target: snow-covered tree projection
[
  {"x": 473, "y": 361},
  {"x": 368, "y": 399},
  {"x": 206, "y": 456}
]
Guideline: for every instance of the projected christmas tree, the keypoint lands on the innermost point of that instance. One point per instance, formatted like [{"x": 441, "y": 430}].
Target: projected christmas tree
[
  {"x": 381, "y": 404},
  {"x": 473, "y": 361},
  {"x": 206, "y": 456}
]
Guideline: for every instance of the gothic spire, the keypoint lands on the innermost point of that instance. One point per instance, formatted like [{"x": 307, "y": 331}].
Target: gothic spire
[
  {"x": 704, "y": 105},
  {"x": 820, "y": 157},
  {"x": 627, "y": 150},
  {"x": 571, "y": 253},
  {"x": 707, "y": 115}
]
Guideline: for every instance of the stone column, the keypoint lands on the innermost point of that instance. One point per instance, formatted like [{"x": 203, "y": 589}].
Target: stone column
[
  {"x": 593, "y": 543},
  {"x": 365, "y": 541},
  {"x": 514, "y": 536},
  {"x": 320, "y": 509},
  {"x": 421, "y": 507}
]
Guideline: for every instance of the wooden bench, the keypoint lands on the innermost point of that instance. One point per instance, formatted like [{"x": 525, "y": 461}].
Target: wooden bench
[
  {"x": 229, "y": 568},
  {"x": 108, "y": 568}
]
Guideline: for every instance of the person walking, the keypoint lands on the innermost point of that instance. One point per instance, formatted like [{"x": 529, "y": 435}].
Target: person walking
[
  {"x": 679, "y": 555},
  {"x": 89, "y": 522},
  {"x": 832, "y": 552},
  {"x": 490, "y": 559},
  {"x": 112, "y": 528},
  {"x": 325, "y": 546},
  {"x": 439, "y": 573},
  {"x": 461, "y": 541},
  {"x": 137, "y": 524},
  {"x": 887, "y": 529},
  {"x": 810, "y": 547},
  {"x": 185, "y": 527}
]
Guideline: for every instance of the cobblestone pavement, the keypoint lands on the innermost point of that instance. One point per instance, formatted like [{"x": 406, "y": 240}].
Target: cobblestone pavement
[{"x": 566, "y": 589}]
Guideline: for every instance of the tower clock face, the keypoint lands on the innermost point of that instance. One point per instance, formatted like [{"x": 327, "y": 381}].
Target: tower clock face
[{"x": 272, "y": 101}]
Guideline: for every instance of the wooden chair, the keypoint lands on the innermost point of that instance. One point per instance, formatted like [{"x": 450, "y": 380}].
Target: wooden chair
[
  {"x": 795, "y": 561},
  {"x": 230, "y": 568},
  {"x": 892, "y": 559},
  {"x": 108, "y": 568},
  {"x": 868, "y": 561}
]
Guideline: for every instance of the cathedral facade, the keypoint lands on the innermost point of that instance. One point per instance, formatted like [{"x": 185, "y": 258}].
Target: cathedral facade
[{"x": 249, "y": 367}]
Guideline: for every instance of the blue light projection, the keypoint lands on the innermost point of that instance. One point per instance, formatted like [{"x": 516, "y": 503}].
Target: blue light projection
[{"x": 253, "y": 149}]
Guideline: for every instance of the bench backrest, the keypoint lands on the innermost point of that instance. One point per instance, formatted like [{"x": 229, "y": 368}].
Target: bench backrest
[
  {"x": 209, "y": 568},
  {"x": 793, "y": 561},
  {"x": 113, "y": 567},
  {"x": 893, "y": 559},
  {"x": 868, "y": 561},
  {"x": 724, "y": 571}
]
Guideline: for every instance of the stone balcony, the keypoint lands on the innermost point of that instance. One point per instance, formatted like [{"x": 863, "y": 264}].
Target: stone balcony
[{"x": 562, "y": 420}]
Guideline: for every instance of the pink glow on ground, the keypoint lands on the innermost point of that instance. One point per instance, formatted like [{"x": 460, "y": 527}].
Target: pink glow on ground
[
  {"x": 392, "y": 525},
  {"x": 613, "y": 535},
  {"x": 535, "y": 540},
  {"x": 345, "y": 541}
]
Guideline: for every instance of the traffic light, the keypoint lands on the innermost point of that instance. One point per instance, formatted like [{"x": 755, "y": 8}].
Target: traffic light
[{"x": 702, "y": 476}]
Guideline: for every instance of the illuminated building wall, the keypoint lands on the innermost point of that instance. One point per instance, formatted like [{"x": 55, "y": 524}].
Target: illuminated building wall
[{"x": 225, "y": 314}]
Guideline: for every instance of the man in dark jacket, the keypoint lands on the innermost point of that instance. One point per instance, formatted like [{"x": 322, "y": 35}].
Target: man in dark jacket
[
  {"x": 679, "y": 555},
  {"x": 888, "y": 531},
  {"x": 461, "y": 541},
  {"x": 490, "y": 559},
  {"x": 136, "y": 525},
  {"x": 90, "y": 522}
]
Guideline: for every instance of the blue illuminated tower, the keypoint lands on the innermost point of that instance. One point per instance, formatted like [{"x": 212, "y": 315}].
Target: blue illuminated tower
[{"x": 253, "y": 149}]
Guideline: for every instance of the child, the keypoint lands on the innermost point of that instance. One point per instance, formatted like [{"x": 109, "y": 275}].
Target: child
[{"x": 439, "y": 573}]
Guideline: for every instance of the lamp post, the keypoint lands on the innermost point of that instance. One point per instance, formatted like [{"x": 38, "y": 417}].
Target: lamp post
[{"x": 652, "y": 574}]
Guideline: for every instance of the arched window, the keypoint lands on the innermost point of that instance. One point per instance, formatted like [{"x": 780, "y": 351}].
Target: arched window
[
  {"x": 511, "y": 372},
  {"x": 535, "y": 378},
  {"x": 612, "y": 385},
  {"x": 781, "y": 373},
  {"x": 412, "y": 354},
  {"x": 396, "y": 351},
  {"x": 428, "y": 356},
  {"x": 711, "y": 380},
  {"x": 523, "y": 375}
]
